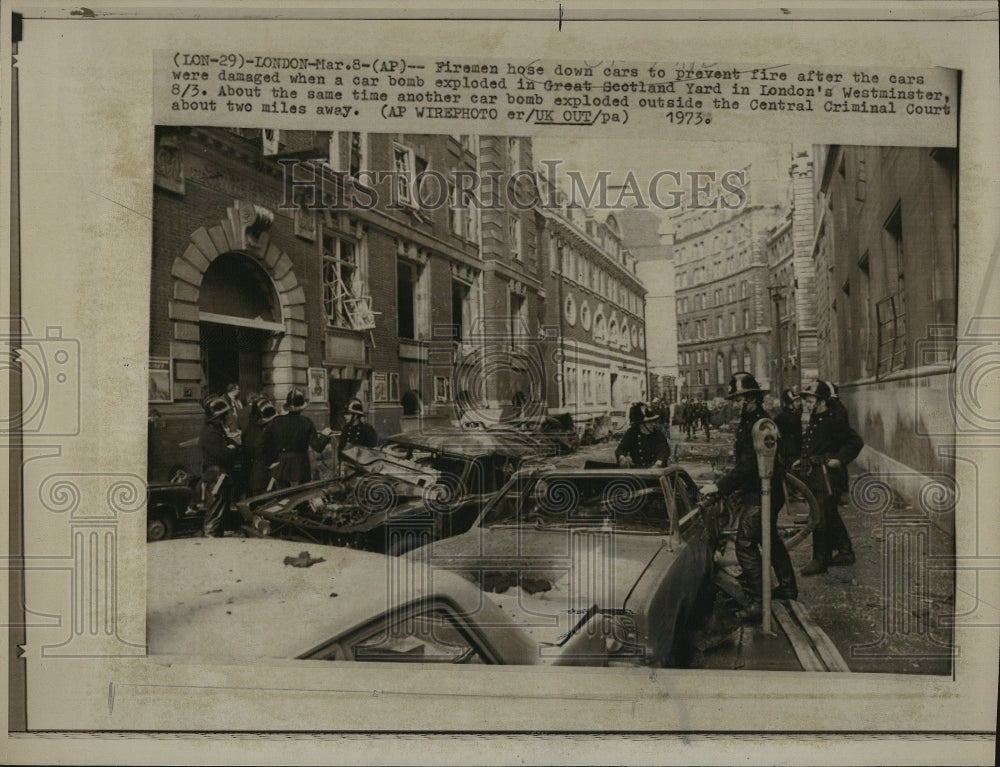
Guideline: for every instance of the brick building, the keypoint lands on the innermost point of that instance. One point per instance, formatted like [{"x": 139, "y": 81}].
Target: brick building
[
  {"x": 278, "y": 261},
  {"x": 594, "y": 310}
]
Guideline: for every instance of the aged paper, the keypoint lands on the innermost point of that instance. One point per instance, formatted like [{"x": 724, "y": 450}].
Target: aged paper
[{"x": 96, "y": 93}]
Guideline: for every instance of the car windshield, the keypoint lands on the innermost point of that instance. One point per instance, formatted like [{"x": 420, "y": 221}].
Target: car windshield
[{"x": 623, "y": 502}]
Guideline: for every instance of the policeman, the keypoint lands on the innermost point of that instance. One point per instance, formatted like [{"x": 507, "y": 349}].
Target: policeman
[
  {"x": 789, "y": 423},
  {"x": 643, "y": 445},
  {"x": 828, "y": 445},
  {"x": 745, "y": 478},
  {"x": 356, "y": 431},
  {"x": 218, "y": 460},
  {"x": 289, "y": 437}
]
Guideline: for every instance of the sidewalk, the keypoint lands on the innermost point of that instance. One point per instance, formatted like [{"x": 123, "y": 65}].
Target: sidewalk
[{"x": 887, "y": 613}]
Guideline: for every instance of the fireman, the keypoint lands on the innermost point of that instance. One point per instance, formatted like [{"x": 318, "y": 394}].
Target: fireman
[
  {"x": 828, "y": 445},
  {"x": 745, "y": 478}
]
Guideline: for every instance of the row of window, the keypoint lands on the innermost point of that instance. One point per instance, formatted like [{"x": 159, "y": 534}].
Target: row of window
[
  {"x": 734, "y": 233},
  {"x": 719, "y": 268},
  {"x": 604, "y": 331},
  {"x": 585, "y": 272},
  {"x": 593, "y": 386},
  {"x": 696, "y": 329},
  {"x": 348, "y": 153},
  {"x": 702, "y": 374},
  {"x": 700, "y": 300},
  {"x": 347, "y": 298}
]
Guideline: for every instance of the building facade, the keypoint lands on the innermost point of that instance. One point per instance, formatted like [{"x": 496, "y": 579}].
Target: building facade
[
  {"x": 885, "y": 260},
  {"x": 723, "y": 311},
  {"x": 281, "y": 259},
  {"x": 653, "y": 251},
  {"x": 594, "y": 311}
]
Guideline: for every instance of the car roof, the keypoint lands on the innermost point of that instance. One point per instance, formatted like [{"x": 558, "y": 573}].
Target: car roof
[
  {"x": 237, "y": 599},
  {"x": 472, "y": 442}
]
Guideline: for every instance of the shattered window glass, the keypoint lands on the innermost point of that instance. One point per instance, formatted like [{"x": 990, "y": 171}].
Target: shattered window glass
[{"x": 430, "y": 637}]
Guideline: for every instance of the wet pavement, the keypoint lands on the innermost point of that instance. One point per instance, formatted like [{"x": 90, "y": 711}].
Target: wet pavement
[{"x": 887, "y": 613}]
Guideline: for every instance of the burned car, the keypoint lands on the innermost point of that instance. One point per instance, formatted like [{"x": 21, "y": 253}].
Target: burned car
[
  {"x": 418, "y": 487},
  {"x": 634, "y": 545},
  {"x": 239, "y": 600},
  {"x": 557, "y": 433},
  {"x": 172, "y": 507}
]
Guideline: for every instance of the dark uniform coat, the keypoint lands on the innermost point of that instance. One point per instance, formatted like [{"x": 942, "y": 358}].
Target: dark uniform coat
[
  {"x": 745, "y": 476},
  {"x": 789, "y": 423},
  {"x": 828, "y": 435},
  {"x": 289, "y": 437},
  {"x": 216, "y": 451},
  {"x": 644, "y": 449},
  {"x": 218, "y": 458},
  {"x": 357, "y": 432},
  {"x": 260, "y": 455}
]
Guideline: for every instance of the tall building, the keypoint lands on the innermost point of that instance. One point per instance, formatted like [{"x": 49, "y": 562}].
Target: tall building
[
  {"x": 791, "y": 279},
  {"x": 594, "y": 307},
  {"x": 885, "y": 258},
  {"x": 653, "y": 252},
  {"x": 499, "y": 363},
  {"x": 721, "y": 272}
]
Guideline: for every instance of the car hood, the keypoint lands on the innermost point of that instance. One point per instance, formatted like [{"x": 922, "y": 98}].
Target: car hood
[{"x": 547, "y": 579}]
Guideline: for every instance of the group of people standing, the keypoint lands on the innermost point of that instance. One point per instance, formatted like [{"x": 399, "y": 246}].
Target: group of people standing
[
  {"x": 692, "y": 415},
  {"x": 818, "y": 453},
  {"x": 248, "y": 449}
]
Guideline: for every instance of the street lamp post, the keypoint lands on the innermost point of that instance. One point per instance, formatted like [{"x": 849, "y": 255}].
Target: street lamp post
[{"x": 779, "y": 376}]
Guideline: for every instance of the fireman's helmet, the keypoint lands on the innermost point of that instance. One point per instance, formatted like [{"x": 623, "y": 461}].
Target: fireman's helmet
[
  {"x": 215, "y": 407},
  {"x": 834, "y": 391},
  {"x": 788, "y": 397},
  {"x": 817, "y": 389},
  {"x": 355, "y": 407},
  {"x": 640, "y": 412},
  {"x": 264, "y": 410},
  {"x": 743, "y": 383},
  {"x": 296, "y": 400}
]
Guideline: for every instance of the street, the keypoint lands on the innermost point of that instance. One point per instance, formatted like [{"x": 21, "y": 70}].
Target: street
[{"x": 880, "y": 618}]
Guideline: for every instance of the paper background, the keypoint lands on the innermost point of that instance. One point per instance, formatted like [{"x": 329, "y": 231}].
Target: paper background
[{"x": 86, "y": 136}]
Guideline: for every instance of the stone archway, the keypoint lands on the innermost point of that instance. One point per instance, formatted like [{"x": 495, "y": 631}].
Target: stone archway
[{"x": 244, "y": 231}]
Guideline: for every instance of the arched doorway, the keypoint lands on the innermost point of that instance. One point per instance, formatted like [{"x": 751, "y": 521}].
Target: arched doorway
[
  {"x": 238, "y": 312},
  {"x": 253, "y": 302}
]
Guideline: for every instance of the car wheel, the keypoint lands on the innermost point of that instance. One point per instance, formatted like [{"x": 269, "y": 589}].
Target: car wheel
[{"x": 159, "y": 526}]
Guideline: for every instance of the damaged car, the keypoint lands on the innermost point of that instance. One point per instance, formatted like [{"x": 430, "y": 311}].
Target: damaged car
[
  {"x": 634, "y": 546},
  {"x": 240, "y": 600},
  {"x": 418, "y": 487}
]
